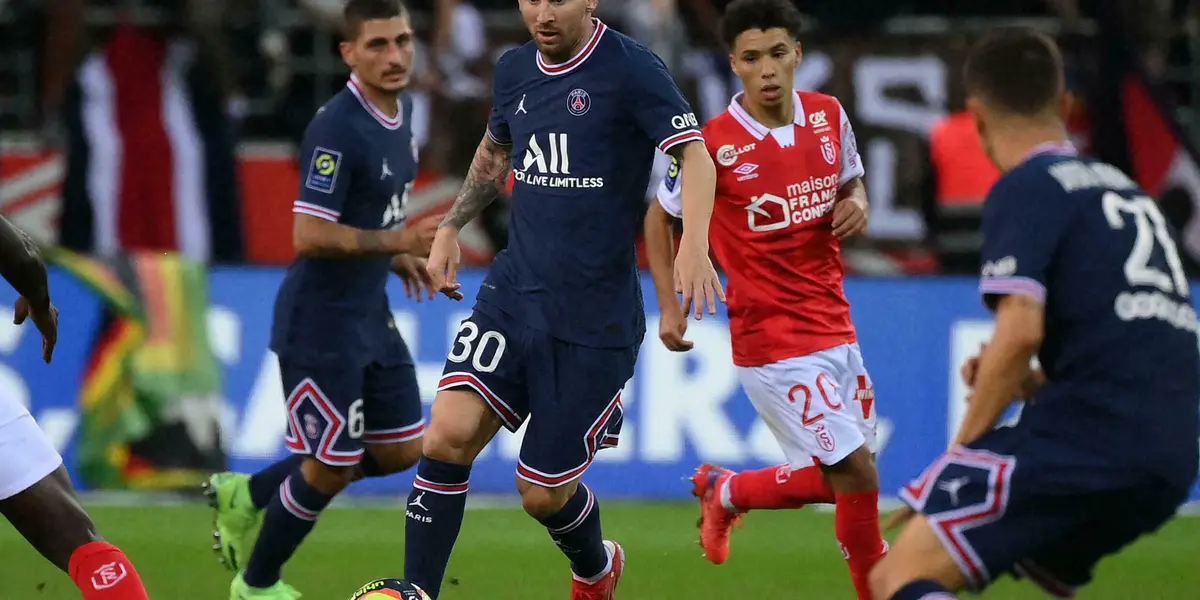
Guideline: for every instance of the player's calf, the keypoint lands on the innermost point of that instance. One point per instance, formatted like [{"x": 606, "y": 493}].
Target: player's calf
[
  {"x": 855, "y": 484},
  {"x": 291, "y": 515},
  {"x": 460, "y": 426}
]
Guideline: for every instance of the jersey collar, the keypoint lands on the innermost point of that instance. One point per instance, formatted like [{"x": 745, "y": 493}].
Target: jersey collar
[
  {"x": 1055, "y": 148},
  {"x": 578, "y": 59},
  {"x": 758, "y": 130},
  {"x": 356, "y": 88}
]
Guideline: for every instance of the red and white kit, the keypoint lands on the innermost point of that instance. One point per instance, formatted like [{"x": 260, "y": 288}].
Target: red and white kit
[{"x": 793, "y": 341}]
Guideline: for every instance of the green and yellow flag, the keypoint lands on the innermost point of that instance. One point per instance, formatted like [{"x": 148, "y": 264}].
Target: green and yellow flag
[{"x": 150, "y": 397}]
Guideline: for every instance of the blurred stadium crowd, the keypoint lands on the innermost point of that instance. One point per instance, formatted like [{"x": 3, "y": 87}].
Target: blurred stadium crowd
[{"x": 170, "y": 124}]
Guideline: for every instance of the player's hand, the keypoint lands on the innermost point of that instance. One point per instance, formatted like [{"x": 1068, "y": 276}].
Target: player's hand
[
  {"x": 671, "y": 327},
  {"x": 697, "y": 280},
  {"x": 45, "y": 320},
  {"x": 849, "y": 217},
  {"x": 970, "y": 368},
  {"x": 444, "y": 256},
  {"x": 418, "y": 237}
]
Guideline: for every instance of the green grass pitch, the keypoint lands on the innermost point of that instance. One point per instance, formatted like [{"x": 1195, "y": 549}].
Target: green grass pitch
[{"x": 504, "y": 555}]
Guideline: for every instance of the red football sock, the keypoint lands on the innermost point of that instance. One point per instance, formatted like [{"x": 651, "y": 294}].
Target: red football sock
[
  {"x": 779, "y": 487},
  {"x": 103, "y": 572},
  {"x": 857, "y": 528}
]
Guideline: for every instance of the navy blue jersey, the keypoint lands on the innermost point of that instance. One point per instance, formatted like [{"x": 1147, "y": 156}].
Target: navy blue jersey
[
  {"x": 1120, "y": 350},
  {"x": 357, "y": 167},
  {"x": 583, "y": 135}
]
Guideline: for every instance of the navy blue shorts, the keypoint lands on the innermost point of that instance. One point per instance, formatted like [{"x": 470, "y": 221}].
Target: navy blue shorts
[
  {"x": 998, "y": 509},
  {"x": 334, "y": 410},
  {"x": 570, "y": 394}
]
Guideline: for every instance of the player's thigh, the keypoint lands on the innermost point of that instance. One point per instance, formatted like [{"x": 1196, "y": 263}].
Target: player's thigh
[
  {"x": 799, "y": 400},
  {"x": 325, "y": 410},
  {"x": 857, "y": 390},
  {"x": 576, "y": 410},
  {"x": 28, "y": 454},
  {"x": 986, "y": 507},
  {"x": 482, "y": 385},
  {"x": 393, "y": 420},
  {"x": 1110, "y": 521}
]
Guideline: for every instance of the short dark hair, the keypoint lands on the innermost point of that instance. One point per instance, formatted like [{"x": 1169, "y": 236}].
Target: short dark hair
[
  {"x": 357, "y": 11},
  {"x": 1015, "y": 70},
  {"x": 745, "y": 15}
]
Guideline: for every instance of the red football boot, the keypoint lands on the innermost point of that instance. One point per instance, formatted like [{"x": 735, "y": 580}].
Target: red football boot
[
  {"x": 715, "y": 520},
  {"x": 606, "y": 587}
]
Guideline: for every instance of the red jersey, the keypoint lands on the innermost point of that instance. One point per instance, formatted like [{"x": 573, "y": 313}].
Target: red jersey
[{"x": 772, "y": 226}]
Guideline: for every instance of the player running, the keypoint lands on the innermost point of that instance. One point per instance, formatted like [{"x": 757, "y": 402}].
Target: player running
[
  {"x": 1081, "y": 268},
  {"x": 36, "y": 495},
  {"x": 353, "y": 406},
  {"x": 558, "y": 322},
  {"x": 789, "y": 188}
]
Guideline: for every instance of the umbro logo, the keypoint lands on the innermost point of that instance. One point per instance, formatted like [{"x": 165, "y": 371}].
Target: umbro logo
[{"x": 746, "y": 171}]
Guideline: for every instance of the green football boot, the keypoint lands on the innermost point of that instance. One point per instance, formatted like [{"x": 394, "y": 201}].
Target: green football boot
[
  {"x": 238, "y": 590},
  {"x": 234, "y": 518}
]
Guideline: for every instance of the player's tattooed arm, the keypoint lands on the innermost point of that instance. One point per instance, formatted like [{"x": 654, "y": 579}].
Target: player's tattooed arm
[
  {"x": 1004, "y": 364},
  {"x": 22, "y": 266},
  {"x": 486, "y": 180}
]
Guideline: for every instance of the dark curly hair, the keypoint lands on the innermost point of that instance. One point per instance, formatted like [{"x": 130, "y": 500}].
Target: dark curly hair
[{"x": 745, "y": 15}]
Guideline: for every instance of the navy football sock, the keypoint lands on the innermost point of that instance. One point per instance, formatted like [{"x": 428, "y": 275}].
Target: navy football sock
[
  {"x": 265, "y": 483},
  {"x": 576, "y": 530},
  {"x": 923, "y": 589},
  {"x": 291, "y": 514},
  {"x": 435, "y": 513}
]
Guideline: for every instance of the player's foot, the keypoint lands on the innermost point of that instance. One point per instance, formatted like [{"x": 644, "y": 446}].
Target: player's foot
[
  {"x": 715, "y": 520},
  {"x": 606, "y": 587},
  {"x": 234, "y": 518},
  {"x": 239, "y": 590}
]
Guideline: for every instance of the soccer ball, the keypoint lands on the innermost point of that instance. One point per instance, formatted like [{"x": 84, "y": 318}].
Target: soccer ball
[{"x": 390, "y": 589}]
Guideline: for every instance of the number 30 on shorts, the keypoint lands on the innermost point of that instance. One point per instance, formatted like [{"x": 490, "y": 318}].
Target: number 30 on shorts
[{"x": 484, "y": 350}]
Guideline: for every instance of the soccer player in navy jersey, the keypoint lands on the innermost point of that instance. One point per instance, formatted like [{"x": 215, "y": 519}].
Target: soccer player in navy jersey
[
  {"x": 577, "y": 115},
  {"x": 353, "y": 405},
  {"x": 1080, "y": 268}
]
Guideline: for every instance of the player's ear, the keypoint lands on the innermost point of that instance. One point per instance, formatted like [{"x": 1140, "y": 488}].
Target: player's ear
[
  {"x": 977, "y": 110},
  {"x": 591, "y": 6},
  {"x": 347, "y": 50}
]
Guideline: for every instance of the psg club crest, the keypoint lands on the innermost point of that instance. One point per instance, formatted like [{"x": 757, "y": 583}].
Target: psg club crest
[
  {"x": 578, "y": 102},
  {"x": 827, "y": 150}
]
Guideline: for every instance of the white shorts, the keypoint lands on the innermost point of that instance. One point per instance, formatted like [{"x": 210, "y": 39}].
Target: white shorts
[
  {"x": 26, "y": 455},
  {"x": 820, "y": 406}
]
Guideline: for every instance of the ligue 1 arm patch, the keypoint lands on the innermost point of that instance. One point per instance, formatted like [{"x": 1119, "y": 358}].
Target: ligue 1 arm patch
[
  {"x": 672, "y": 175},
  {"x": 323, "y": 172}
]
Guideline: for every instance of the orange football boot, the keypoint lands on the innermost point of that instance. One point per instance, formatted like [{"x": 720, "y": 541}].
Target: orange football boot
[{"x": 715, "y": 520}]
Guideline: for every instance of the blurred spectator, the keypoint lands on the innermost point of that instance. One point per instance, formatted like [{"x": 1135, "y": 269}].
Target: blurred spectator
[
  {"x": 149, "y": 116},
  {"x": 962, "y": 175}
]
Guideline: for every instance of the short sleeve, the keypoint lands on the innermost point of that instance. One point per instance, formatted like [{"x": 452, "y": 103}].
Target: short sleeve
[
  {"x": 670, "y": 191},
  {"x": 660, "y": 109},
  {"x": 852, "y": 166},
  {"x": 497, "y": 127},
  {"x": 1021, "y": 229},
  {"x": 327, "y": 154}
]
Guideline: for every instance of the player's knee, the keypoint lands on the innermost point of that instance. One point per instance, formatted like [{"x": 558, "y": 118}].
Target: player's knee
[
  {"x": 327, "y": 479},
  {"x": 880, "y": 580},
  {"x": 460, "y": 425},
  {"x": 394, "y": 458},
  {"x": 543, "y": 502},
  {"x": 855, "y": 473}
]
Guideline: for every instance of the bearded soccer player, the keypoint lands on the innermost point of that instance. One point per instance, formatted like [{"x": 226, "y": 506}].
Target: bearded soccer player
[
  {"x": 555, "y": 331},
  {"x": 1081, "y": 269},
  {"x": 36, "y": 495},
  {"x": 789, "y": 189},
  {"x": 353, "y": 405}
]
